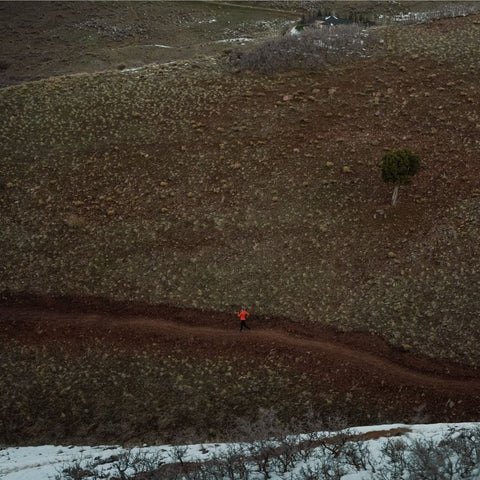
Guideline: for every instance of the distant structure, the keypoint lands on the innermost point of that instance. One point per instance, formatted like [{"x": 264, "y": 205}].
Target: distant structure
[{"x": 331, "y": 20}]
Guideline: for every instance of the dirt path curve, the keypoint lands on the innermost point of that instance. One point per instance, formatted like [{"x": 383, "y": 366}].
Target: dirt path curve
[
  {"x": 334, "y": 349},
  {"x": 348, "y": 362}
]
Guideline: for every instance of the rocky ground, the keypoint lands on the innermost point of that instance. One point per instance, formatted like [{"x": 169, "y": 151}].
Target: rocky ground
[
  {"x": 42, "y": 39},
  {"x": 194, "y": 185}
]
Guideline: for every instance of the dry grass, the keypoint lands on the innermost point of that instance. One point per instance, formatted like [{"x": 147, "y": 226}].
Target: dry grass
[
  {"x": 190, "y": 185},
  {"x": 198, "y": 187},
  {"x": 44, "y": 39},
  {"x": 111, "y": 395}
]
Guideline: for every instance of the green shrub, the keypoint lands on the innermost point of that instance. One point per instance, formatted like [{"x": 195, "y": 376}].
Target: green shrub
[{"x": 398, "y": 167}]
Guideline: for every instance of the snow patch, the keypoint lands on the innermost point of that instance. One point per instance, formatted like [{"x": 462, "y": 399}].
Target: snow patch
[
  {"x": 157, "y": 45},
  {"x": 212, "y": 20},
  {"x": 231, "y": 40},
  {"x": 43, "y": 463}
]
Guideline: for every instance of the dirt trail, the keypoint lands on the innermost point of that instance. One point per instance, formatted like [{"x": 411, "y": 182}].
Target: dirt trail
[
  {"x": 346, "y": 362},
  {"x": 334, "y": 349}
]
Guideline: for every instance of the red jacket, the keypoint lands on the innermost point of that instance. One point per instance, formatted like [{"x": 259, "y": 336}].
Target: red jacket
[{"x": 243, "y": 315}]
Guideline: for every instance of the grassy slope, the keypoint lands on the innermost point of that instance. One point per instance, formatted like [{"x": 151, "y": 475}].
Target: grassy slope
[
  {"x": 41, "y": 39},
  {"x": 119, "y": 396},
  {"x": 195, "y": 187}
]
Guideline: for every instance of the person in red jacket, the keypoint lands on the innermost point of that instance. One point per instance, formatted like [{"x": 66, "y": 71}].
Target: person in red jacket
[{"x": 243, "y": 315}]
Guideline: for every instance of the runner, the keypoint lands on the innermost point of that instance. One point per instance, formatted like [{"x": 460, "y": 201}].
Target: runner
[{"x": 243, "y": 315}]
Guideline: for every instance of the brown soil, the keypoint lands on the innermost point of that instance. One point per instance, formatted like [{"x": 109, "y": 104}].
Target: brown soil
[
  {"x": 405, "y": 98},
  {"x": 44, "y": 39},
  {"x": 353, "y": 363}
]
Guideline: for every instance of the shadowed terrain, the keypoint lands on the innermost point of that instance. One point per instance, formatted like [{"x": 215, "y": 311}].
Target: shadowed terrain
[{"x": 203, "y": 188}]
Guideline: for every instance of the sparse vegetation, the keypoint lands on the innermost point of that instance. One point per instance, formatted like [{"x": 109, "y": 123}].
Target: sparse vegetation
[
  {"x": 209, "y": 208},
  {"x": 188, "y": 184},
  {"x": 121, "y": 396},
  {"x": 92, "y": 38}
]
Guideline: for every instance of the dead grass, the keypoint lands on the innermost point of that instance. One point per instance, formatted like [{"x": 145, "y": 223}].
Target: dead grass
[
  {"x": 44, "y": 39},
  {"x": 111, "y": 395},
  {"x": 454, "y": 44},
  {"x": 197, "y": 187}
]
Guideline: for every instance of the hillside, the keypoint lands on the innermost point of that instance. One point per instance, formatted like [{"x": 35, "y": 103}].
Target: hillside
[
  {"x": 190, "y": 184},
  {"x": 131, "y": 375},
  {"x": 42, "y": 39},
  {"x": 196, "y": 187}
]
